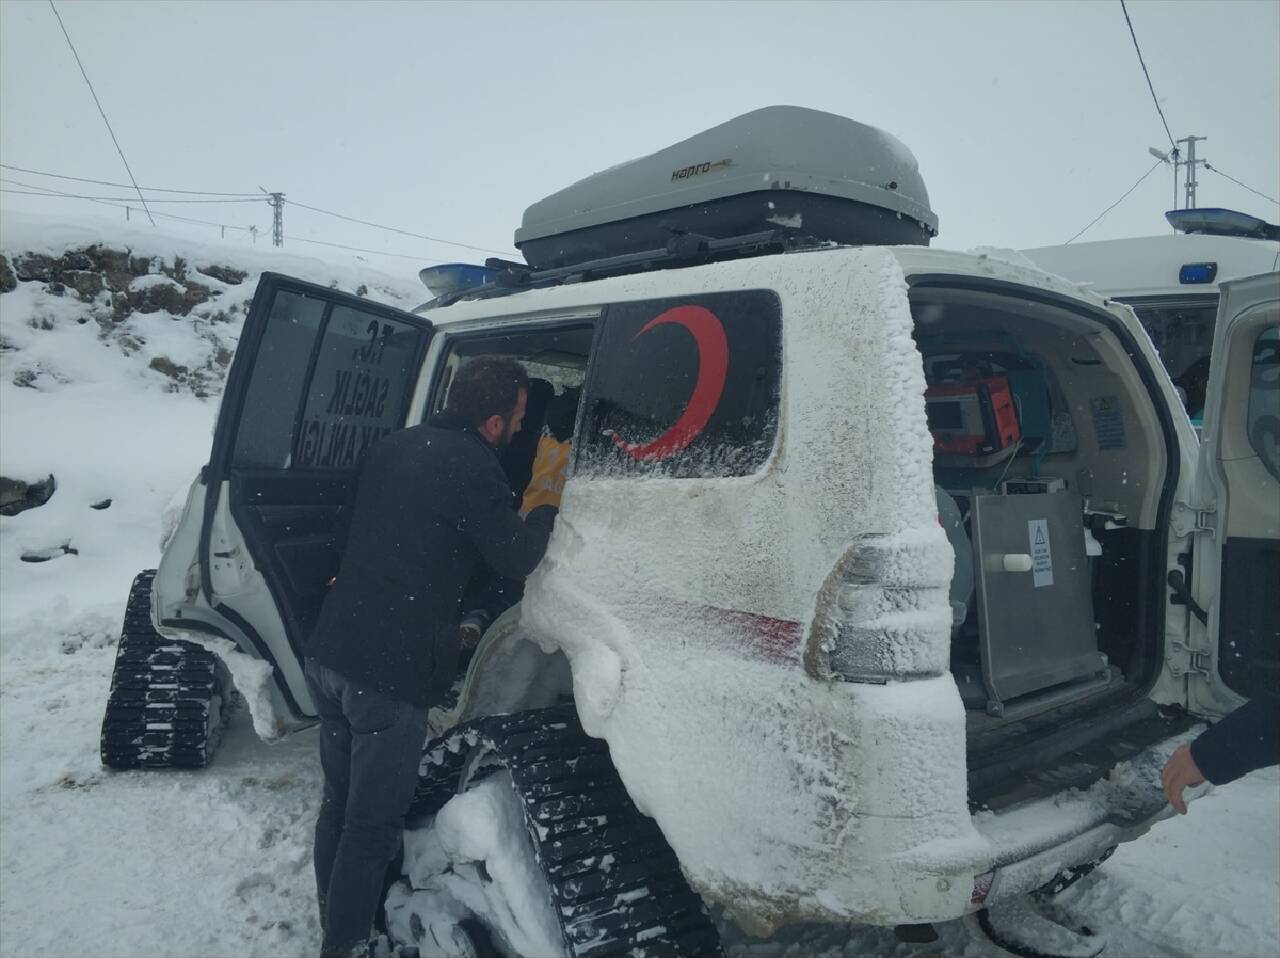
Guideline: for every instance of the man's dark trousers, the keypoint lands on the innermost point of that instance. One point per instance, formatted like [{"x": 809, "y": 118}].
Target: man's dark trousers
[{"x": 370, "y": 748}]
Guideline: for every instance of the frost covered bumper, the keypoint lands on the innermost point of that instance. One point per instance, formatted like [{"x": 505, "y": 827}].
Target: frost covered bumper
[{"x": 1034, "y": 842}]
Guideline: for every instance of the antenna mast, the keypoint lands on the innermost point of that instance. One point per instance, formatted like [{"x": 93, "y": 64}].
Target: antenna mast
[{"x": 1190, "y": 163}]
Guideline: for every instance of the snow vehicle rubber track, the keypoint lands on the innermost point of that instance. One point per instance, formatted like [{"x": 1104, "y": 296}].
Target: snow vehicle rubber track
[
  {"x": 615, "y": 883},
  {"x": 1069, "y": 876},
  {"x": 165, "y": 704}
]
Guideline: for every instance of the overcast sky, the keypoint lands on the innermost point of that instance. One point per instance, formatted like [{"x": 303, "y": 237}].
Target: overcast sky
[{"x": 1027, "y": 118}]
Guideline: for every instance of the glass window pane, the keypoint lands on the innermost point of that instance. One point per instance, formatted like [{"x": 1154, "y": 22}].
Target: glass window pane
[
  {"x": 684, "y": 388},
  {"x": 1263, "y": 422},
  {"x": 264, "y": 434},
  {"x": 1183, "y": 335},
  {"x": 359, "y": 389}
]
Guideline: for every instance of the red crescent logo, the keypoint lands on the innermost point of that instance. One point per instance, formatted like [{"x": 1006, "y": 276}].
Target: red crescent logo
[{"x": 713, "y": 366}]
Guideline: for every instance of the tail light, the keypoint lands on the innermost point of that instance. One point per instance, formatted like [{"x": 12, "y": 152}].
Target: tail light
[
  {"x": 884, "y": 613},
  {"x": 981, "y": 888}
]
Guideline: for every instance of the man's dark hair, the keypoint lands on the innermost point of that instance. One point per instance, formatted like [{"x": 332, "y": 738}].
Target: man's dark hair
[{"x": 486, "y": 387}]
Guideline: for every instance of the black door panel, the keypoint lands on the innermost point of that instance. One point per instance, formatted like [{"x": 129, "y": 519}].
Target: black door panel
[
  {"x": 299, "y": 522},
  {"x": 1249, "y": 628},
  {"x": 319, "y": 377},
  {"x": 309, "y": 563}
]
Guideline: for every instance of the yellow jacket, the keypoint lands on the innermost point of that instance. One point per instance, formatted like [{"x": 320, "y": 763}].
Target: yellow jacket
[{"x": 549, "y": 464}]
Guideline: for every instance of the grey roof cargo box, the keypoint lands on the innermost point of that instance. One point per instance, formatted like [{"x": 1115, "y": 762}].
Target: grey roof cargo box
[{"x": 782, "y": 166}]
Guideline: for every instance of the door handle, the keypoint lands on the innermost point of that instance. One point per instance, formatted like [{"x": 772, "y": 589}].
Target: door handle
[{"x": 1017, "y": 562}]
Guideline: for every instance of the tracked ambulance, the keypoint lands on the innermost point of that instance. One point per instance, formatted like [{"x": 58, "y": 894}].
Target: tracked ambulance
[{"x": 885, "y": 577}]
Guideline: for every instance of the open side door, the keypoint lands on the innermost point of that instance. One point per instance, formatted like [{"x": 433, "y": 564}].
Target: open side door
[
  {"x": 318, "y": 377},
  {"x": 1237, "y": 563}
]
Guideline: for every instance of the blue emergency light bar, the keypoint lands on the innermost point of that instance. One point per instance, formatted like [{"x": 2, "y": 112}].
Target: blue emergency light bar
[
  {"x": 1198, "y": 273},
  {"x": 449, "y": 278}
]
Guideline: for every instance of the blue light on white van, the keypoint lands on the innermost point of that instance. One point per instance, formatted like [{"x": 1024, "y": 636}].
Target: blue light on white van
[
  {"x": 1198, "y": 273},
  {"x": 448, "y": 278}
]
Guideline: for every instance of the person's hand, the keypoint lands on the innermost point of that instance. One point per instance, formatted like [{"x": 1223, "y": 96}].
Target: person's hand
[{"x": 1181, "y": 771}]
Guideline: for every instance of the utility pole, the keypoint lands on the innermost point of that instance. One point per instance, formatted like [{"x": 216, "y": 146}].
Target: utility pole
[
  {"x": 277, "y": 216},
  {"x": 1190, "y": 163}
]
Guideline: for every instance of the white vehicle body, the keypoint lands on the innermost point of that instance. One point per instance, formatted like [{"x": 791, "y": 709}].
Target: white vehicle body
[
  {"x": 1177, "y": 310},
  {"x": 702, "y": 620},
  {"x": 1146, "y": 267}
]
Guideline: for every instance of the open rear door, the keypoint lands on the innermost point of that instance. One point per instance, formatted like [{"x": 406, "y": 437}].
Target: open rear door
[
  {"x": 318, "y": 377},
  {"x": 1237, "y": 559}
]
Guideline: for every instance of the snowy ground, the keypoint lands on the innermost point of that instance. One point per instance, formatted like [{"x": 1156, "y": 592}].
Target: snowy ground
[{"x": 217, "y": 862}]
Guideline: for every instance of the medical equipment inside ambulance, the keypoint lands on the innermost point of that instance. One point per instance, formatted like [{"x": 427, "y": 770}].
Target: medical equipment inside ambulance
[
  {"x": 1023, "y": 634},
  {"x": 972, "y": 417}
]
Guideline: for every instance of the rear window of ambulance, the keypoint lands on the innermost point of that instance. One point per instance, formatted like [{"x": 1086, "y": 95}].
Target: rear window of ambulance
[{"x": 684, "y": 388}]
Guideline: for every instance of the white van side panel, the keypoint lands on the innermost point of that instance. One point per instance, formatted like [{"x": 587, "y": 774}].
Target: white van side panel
[{"x": 1149, "y": 265}]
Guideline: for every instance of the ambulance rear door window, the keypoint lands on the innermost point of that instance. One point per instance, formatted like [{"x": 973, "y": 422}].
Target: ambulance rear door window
[
  {"x": 684, "y": 387},
  {"x": 359, "y": 388},
  {"x": 264, "y": 431}
]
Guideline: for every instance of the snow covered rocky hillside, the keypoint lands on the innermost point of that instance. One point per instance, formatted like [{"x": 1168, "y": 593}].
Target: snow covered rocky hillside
[{"x": 113, "y": 349}]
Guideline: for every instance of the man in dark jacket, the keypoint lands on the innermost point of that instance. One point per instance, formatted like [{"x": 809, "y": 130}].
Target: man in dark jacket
[
  {"x": 432, "y": 500},
  {"x": 1246, "y": 739}
]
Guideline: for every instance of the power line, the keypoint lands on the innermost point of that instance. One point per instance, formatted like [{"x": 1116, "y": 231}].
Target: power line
[
  {"x": 1238, "y": 183},
  {"x": 129, "y": 199},
  {"x": 188, "y": 219},
  {"x": 109, "y": 199},
  {"x": 58, "y": 194},
  {"x": 120, "y": 202},
  {"x": 393, "y": 229},
  {"x": 376, "y": 252},
  {"x": 101, "y": 111},
  {"x": 1116, "y": 203},
  {"x": 1149, "y": 85},
  {"x": 118, "y": 206},
  {"x": 149, "y": 189},
  {"x": 239, "y": 198}
]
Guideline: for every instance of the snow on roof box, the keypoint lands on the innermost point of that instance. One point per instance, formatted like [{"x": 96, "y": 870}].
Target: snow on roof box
[{"x": 782, "y": 166}]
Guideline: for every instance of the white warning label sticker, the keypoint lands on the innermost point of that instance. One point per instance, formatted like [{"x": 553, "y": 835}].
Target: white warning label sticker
[{"x": 1041, "y": 556}]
